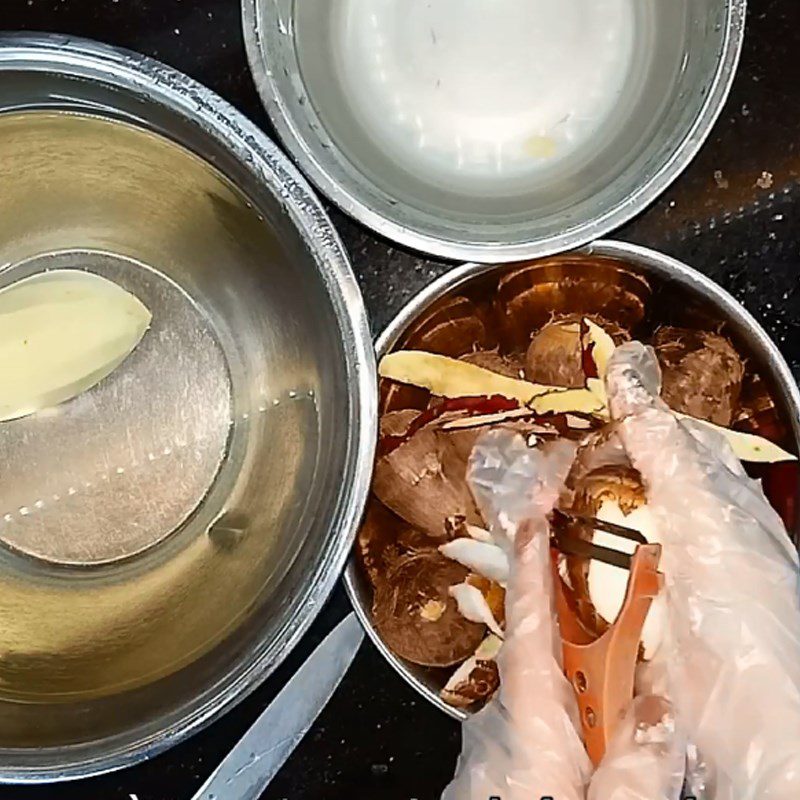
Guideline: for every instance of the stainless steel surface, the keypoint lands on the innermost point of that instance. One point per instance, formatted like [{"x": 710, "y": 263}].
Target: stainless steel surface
[
  {"x": 697, "y": 291},
  {"x": 686, "y": 56},
  {"x": 255, "y": 760},
  {"x": 227, "y": 460},
  {"x": 122, "y": 466}
]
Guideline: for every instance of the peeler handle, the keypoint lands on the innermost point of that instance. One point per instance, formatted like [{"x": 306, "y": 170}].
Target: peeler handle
[{"x": 602, "y": 670}]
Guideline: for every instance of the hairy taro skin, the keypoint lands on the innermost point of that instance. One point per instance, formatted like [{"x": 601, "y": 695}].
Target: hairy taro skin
[
  {"x": 555, "y": 354},
  {"x": 399, "y": 610},
  {"x": 702, "y": 373}
]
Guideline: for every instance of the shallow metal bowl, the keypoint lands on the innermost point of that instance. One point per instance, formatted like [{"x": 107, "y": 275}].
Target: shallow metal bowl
[
  {"x": 168, "y": 536},
  {"x": 683, "y": 294},
  {"x": 685, "y": 58}
]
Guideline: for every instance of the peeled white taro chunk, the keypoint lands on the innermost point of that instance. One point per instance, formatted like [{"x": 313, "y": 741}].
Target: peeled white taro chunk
[
  {"x": 608, "y": 584},
  {"x": 61, "y": 332}
]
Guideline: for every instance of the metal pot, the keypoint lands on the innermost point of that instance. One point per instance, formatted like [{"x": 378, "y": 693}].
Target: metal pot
[
  {"x": 184, "y": 521},
  {"x": 684, "y": 293},
  {"x": 685, "y": 54}
]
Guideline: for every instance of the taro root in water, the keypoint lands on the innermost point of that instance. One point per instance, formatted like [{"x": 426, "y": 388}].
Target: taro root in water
[
  {"x": 416, "y": 616},
  {"x": 701, "y": 373}
]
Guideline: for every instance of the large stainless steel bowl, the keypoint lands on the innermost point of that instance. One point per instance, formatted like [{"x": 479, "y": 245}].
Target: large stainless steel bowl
[
  {"x": 685, "y": 293},
  {"x": 167, "y": 537},
  {"x": 684, "y": 59}
]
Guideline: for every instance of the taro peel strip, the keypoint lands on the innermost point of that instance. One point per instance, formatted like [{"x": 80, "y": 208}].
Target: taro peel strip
[
  {"x": 746, "y": 446},
  {"x": 448, "y": 377}
]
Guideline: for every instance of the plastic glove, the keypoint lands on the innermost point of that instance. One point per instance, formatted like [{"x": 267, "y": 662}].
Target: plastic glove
[
  {"x": 731, "y": 660},
  {"x": 645, "y": 759},
  {"x": 524, "y": 744}
]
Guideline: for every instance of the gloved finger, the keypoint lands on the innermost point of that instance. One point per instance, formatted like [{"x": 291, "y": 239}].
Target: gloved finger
[
  {"x": 645, "y": 759},
  {"x": 524, "y": 743}
]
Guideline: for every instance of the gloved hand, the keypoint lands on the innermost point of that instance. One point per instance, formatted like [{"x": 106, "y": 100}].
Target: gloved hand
[
  {"x": 731, "y": 660},
  {"x": 525, "y": 743},
  {"x": 730, "y": 665}
]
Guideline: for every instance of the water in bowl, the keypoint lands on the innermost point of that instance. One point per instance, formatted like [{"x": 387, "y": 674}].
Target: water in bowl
[{"x": 469, "y": 92}]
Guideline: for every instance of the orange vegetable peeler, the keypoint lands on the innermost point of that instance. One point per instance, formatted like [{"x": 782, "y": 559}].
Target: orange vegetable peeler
[{"x": 602, "y": 669}]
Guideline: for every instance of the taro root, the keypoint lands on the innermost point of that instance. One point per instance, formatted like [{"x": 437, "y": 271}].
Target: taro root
[
  {"x": 475, "y": 686},
  {"x": 701, "y": 373},
  {"x": 509, "y": 365},
  {"x": 556, "y": 353},
  {"x": 620, "y": 485},
  {"x": 529, "y": 297},
  {"x": 383, "y": 538},
  {"x": 397, "y": 423},
  {"x": 603, "y": 484},
  {"x": 416, "y": 616},
  {"x": 423, "y": 480}
]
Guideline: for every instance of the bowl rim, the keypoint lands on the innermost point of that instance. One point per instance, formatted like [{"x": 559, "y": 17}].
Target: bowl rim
[
  {"x": 348, "y": 199},
  {"x": 655, "y": 261},
  {"x": 219, "y": 120}
]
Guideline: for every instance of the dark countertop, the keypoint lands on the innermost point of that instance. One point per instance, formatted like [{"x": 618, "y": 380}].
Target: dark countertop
[{"x": 734, "y": 215}]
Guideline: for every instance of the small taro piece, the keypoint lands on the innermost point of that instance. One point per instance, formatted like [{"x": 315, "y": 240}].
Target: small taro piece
[
  {"x": 403, "y": 606},
  {"x": 701, "y": 373},
  {"x": 559, "y": 354},
  {"x": 473, "y": 686},
  {"x": 477, "y": 679}
]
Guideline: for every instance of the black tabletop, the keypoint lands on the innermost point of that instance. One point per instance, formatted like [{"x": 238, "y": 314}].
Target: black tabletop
[{"x": 733, "y": 215}]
